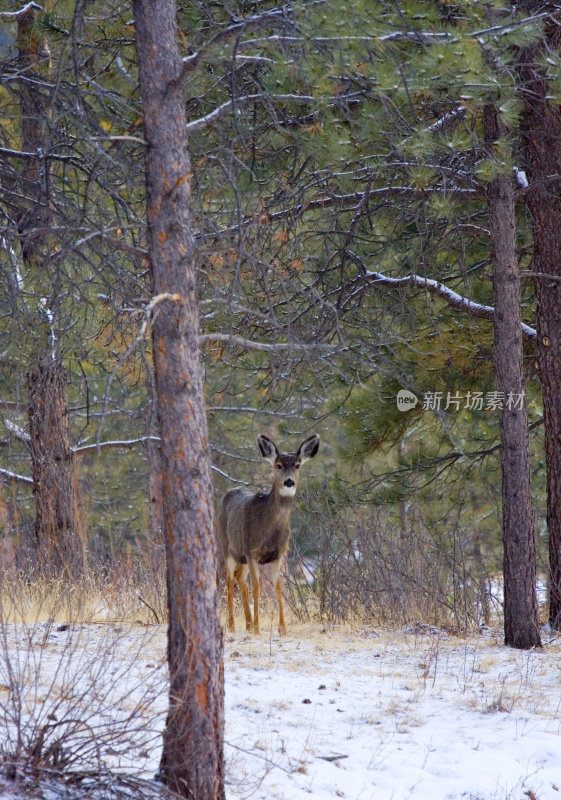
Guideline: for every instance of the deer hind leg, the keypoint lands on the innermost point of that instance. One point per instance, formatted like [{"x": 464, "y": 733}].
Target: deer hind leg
[
  {"x": 230, "y": 582},
  {"x": 276, "y": 577},
  {"x": 254, "y": 572},
  {"x": 241, "y": 577}
]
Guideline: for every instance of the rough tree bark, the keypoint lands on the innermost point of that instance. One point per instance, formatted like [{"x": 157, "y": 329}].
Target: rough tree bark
[
  {"x": 60, "y": 538},
  {"x": 192, "y": 757},
  {"x": 520, "y": 601},
  {"x": 541, "y": 138}
]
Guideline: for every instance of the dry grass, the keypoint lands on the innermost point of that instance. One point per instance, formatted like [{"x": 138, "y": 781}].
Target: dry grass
[{"x": 120, "y": 598}]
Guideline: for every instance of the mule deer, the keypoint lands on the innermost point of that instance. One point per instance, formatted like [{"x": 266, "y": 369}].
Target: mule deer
[{"x": 254, "y": 528}]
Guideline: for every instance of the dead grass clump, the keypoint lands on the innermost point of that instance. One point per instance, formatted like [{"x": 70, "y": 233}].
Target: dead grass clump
[{"x": 106, "y": 786}]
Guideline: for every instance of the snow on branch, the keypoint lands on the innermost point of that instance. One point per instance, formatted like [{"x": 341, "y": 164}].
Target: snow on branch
[
  {"x": 231, "y": 338},
  {"x": 17, "y": 431},
  {"x": 268, "y": 18},
  {"x": 208, "y": 119},
  {"x": 427, "y": 37},
  {"x": 24, "y": 10},
  {"x": 452, "y": 298},
  {"x": 418, "y": 36},
  {"x": 8, "y": 475},
  {"x": 87, "y": 448},
  {"x": 448, "y": 121}
]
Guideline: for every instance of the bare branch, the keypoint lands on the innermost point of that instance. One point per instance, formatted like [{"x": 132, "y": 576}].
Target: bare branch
[
  {"x": 547, "y": 275},
  {"x": 194, "y": 60},
  {"x": 13, "y": 405},
  {"x": 118, "y": 138},
  {"x": 349, "y": 202},
  {"x": 6, "y": 151},
  {"x": 87, "y": 448},
  {"x": 228, "y": 477},
  {"x": 249, "y": 410},
  {"x": 150, "y": 309},
  {"x": 89, "y": 234}
]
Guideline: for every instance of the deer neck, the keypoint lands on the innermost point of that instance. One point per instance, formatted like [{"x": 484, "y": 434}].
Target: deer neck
[{"x": 280, "y": 504}]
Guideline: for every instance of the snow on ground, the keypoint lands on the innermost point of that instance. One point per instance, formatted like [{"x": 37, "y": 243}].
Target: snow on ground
[
  {"x": 325, "y": 712},
  {"x": 393, "y": 714}
]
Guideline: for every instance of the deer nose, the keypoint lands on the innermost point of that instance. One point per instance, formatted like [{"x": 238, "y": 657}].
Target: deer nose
[{"x": 289, "y": 482}]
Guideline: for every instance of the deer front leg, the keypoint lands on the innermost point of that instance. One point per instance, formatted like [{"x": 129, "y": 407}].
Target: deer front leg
[
  {"x": 276, "y": 576},
  {"x": 241, "y": 577},
  {"x": 254, "y": 572}
]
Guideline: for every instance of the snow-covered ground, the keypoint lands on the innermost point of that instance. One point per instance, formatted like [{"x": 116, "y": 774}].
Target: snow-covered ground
[
  {"x": 409, "y": 713},
  {"x": 412, "y": 713}
]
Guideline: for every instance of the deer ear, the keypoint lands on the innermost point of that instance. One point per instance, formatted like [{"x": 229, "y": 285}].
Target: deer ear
[
  {"x": 308, "y": 448},
  {"x": 267, "y": 448}
]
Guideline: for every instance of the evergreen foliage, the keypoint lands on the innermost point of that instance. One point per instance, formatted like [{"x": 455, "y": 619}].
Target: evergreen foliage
[{"x": 329, "y": 142}]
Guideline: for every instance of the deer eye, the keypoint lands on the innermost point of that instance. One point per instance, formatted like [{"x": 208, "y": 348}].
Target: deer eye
[
  {"x": 278, "y": 466},
  {"x": 297, "y": 466}
]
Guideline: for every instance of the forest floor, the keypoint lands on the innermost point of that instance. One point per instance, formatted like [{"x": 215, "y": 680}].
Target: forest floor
[{"x": 325, "y": 712}]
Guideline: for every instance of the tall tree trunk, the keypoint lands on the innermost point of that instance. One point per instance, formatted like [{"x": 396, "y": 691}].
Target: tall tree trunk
[
  {"x": 192, "y": 757},
  {"x": 520, "y": 600},
  {"x": 59, "y": 541},
  {"x": 541, "y": 137},
  {"x": 60, "y": 538}
]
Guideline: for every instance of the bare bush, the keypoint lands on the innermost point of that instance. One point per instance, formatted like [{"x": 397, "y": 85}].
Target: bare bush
[
  {"x": 365, "y": 566},
  {"x": 78, "y": 701}
]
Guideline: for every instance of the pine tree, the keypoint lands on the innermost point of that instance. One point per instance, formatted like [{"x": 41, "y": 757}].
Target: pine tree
[{"x": 192, "y": 756}]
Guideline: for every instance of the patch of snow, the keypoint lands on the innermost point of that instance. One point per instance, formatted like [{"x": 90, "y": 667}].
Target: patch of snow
[
  {"x": 372, "y": 714},
  {"x": 411, "y": 714}
]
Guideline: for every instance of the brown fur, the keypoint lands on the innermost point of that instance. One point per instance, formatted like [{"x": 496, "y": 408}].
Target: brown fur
[{"x": 254, "y": 528}]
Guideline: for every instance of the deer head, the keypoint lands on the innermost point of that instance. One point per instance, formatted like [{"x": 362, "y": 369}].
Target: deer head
[{"x": 287, "y": 465}]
